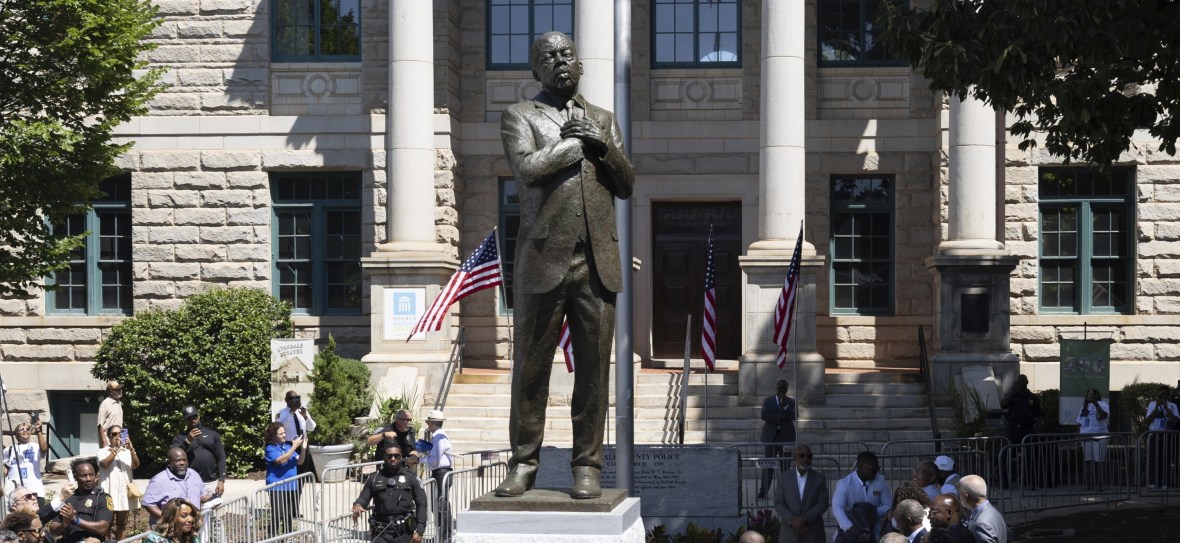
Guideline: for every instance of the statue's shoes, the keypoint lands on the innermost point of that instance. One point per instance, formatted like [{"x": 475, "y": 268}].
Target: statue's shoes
[
  {"x": 520, "y": 479},
  {"x": 586, "y": 483}
]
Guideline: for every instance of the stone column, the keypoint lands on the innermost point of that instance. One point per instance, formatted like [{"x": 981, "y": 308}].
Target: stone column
[
  {"x": 408, "y": 269},
  {"x": 409, "y": 129},
  {"x": 782, "y": 197},
  {"x": 594, "y": 26},
  {"x": 972, "y": 267}
]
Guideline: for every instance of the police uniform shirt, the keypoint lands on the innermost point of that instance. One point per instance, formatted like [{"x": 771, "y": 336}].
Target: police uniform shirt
[
  {"x": 93, "y": 506},
  {"x": 394, "y": 496}
]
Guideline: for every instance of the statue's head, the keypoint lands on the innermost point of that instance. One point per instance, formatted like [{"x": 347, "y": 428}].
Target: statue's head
[{"x": 555, "y": 63}]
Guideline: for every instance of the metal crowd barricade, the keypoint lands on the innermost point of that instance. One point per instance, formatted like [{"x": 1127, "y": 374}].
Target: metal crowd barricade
[
  {"x": 1159, "y": 456},
  {"x": 898, "y": 468},
  {"x": 1048, "y": 471},
  {"x": 251, "y": 519},
  {"x": 481, "y": 458},
  {"x": 339, "y": 487},
  {"x": 460, "y": 487},
  {"x": 135, "y": 538},
  {"x": 302, "y": 536}
]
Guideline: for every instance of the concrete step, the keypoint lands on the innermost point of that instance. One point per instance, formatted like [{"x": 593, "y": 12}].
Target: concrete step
[
  {"x": 875, "y": 388},
  {"x": 870, "y": 400},
  {"x": 827, "y": 412},
  {"x": 873, "y": 377},
  {"x": 727, "y": 378},
  {"x": 693, "y": 389},
  {"x": 483, "y": 378}
]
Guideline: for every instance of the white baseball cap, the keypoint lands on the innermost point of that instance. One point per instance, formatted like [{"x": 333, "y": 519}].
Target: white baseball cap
[{"x": 944, "y": 463}]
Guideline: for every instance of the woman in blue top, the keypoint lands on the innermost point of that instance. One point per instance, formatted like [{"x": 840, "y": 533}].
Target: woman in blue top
[{"x": 282, "y": 459}]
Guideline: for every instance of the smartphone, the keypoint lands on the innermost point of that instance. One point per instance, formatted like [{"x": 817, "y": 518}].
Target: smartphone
[
  {"x": 123, "y": 435},
  {"x": 35, "y": 417}
]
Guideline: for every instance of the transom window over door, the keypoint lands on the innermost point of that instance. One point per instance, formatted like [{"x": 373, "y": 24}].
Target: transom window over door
[
  {"x": 848, "y": 34},
  {"x": 862, "y": 245},
  {"x": 514, "y": 24},
  {"x": 98, "y": 279},
  {"x": 316, "y": 30},
  {"x": 317, "y": 241},
  {"x": 1086, "y": 261},
  {"x": 696, "y": 33}
]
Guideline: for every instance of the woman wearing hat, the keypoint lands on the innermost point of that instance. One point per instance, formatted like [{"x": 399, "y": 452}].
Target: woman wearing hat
[{"x": 441, "y": 459}]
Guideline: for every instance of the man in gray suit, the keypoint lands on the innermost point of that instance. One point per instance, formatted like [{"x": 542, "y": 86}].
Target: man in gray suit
[
  {"x": 567, "y": 156},
  {"x": 801, "y": 512},
  {"x": 778, "y": 425},
  {"x": 986, "y": 523}
]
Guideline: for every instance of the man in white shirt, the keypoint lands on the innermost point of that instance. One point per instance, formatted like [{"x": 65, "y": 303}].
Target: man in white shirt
[
  {"x": 295, "y": 417},
  {"x": 441, "y": 459},
  {"x": 946, "y": 470},
  {"x": 110, "y": 412},
  {"x": 865, "y": 485}
]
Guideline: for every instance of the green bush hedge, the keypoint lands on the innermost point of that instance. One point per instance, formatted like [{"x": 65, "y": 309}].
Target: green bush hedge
[
  {"x": 212, "y": 352},
  {"x": 1133, "y": 402},
  {"x": 342, "y": 393}
]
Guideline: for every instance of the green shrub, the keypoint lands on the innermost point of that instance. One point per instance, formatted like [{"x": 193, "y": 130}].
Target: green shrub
[
  {"x": 969, "y": 410},
  {"x": 1051, "y": 406},
  {"x": 342, "y": 393},
  {"x": 1133, "y": 402},
  {"x": 213, "y": 352}
]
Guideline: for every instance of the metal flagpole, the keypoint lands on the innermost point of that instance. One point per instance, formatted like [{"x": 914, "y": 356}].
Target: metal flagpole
[
  {"x": 624, "y": 320},
  {"x": 684, "y": 380}
]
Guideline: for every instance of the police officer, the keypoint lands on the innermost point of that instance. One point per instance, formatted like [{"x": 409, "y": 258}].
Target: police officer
[
  {"x": 399, "y": 503},
  {"x": 87, "y": 514}
]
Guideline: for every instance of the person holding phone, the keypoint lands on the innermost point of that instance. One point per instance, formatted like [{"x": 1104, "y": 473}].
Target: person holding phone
[
  {"x": 206, "y": 453},
  {"x": 115, "y": 464},
  {"x": 1160, "y": 413},
  {"x": 1094, "y": 419},
  {"x": 282, "y": 460},
  {"x": 22, "y": 460}
]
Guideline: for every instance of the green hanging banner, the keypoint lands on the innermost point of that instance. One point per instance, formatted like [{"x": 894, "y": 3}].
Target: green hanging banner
[{"x": 1085, "y": 364}]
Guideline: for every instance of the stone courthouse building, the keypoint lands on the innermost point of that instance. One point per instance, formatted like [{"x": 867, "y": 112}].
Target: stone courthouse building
[{"x": 345, "y": 155}]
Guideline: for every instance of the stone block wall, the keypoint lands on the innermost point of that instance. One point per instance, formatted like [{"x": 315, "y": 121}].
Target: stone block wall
[{"x": 1143, "y": 343}]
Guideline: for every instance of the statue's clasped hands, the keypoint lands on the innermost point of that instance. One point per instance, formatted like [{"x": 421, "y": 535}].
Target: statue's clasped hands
[{"x": 585, "y": 130}]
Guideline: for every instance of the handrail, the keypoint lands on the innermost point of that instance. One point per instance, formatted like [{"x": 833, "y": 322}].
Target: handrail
[
  {"x": 928, "y": 380},
  {"x": 454, "y": 364}
]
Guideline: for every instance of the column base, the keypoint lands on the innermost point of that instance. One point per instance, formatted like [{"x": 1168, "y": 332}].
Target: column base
[{"x": 509, "y": 520}]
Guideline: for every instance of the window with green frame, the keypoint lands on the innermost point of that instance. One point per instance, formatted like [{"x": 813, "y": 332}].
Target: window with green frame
[
  {"x": 849, "y": 36},
  {"x": 514, "y": 24},
  {"x": 98, "y": 279},
  {"x": 509, "y": 226},
  {"x": 317, "y": 241},
  {"x": 316, "y": 30},
  {"x": 862, "y": 245},
  {"x": 1087, "y": 227},
  {"x": 696, "y": 34}
]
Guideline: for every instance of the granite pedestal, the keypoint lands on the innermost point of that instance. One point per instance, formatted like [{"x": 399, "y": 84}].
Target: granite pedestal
[{"x": 552, "y": 516}]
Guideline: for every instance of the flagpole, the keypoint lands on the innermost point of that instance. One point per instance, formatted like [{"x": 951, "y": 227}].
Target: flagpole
[
  {"x": 624, "y": 340},
  {"x": 684, "y": 381}
]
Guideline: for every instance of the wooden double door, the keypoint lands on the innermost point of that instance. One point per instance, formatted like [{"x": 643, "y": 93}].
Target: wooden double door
[{"x": 680, "y": 233}]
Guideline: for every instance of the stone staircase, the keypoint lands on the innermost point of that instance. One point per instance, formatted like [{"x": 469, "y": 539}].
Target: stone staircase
[{"x": 869, "y": 407}]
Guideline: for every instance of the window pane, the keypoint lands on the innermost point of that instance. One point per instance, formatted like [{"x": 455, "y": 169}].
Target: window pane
[{"x": 665, "y": 18}]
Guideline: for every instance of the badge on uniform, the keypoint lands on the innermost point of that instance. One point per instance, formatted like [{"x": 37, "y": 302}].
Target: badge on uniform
[
  {"x": 89, "y": 503},
  {"x": 401, "y": 479},
  {"x": 110, "y": 503}
]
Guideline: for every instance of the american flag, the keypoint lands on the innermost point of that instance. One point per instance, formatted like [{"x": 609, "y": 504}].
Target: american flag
[
  {"x": 480, "y": 271},
  {"x": 784, "y": 312},
  {"x": 567, "y": 348},
  {"x": 709, "y": 324}
]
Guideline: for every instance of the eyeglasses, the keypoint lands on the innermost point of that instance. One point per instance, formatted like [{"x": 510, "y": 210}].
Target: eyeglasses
[
  {"x": 26, "y": 498},
  {"x": 393, "y": 456},
  {"x": 289, "y": 398},
  {"x": 407, "y": 419},
  {"x": 23, "y": 429}
]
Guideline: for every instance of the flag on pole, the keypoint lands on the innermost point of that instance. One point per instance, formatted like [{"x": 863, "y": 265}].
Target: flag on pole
[
  {"x": 480, "y": 271},
  {"x": 709, "y": 322},
  {"x": 784, "y": 312},
  {"x": 567, "y": 347}
]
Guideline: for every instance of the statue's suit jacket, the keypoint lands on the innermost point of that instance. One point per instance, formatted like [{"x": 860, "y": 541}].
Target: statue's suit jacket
[
  {"x": 563, "y": 196},
  {"x": 813, "y": 505}
]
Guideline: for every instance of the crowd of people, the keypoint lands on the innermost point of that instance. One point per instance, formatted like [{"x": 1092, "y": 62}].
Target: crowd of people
[
  {"x": 94, "y": 505},
  {"x": 937, "y": 504}
]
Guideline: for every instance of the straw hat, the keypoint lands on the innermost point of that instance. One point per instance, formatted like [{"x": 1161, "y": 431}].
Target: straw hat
[{"x": 436, "y": 415}]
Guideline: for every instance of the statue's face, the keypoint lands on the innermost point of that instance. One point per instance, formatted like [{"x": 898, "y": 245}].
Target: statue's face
[{"x": 557, "y": 67}]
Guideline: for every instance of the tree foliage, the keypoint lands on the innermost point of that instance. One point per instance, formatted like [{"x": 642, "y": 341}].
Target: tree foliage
[
  {"x": 1086, "y": 74},
  {"x": 342, "y": 393},
  {"x": 71, "y": 72},
  {"x": 212, "y": 352}
]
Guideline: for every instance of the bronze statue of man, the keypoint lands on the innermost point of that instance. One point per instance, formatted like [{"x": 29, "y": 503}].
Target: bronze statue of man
[{"x": 567, "y": 156}]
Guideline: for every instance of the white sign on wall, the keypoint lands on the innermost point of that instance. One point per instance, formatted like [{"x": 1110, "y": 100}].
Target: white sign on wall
[{"x": 403, "y": 307}]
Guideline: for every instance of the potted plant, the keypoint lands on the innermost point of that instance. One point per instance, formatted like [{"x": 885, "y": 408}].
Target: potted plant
[{"x": 342, "y": 393}]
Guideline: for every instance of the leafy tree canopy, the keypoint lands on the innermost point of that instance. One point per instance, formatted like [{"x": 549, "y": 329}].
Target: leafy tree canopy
[
  {"x": 70, "y": 73},
  {"x": 213, "y": 352},
  {"x": 1087, "y": 74}
]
